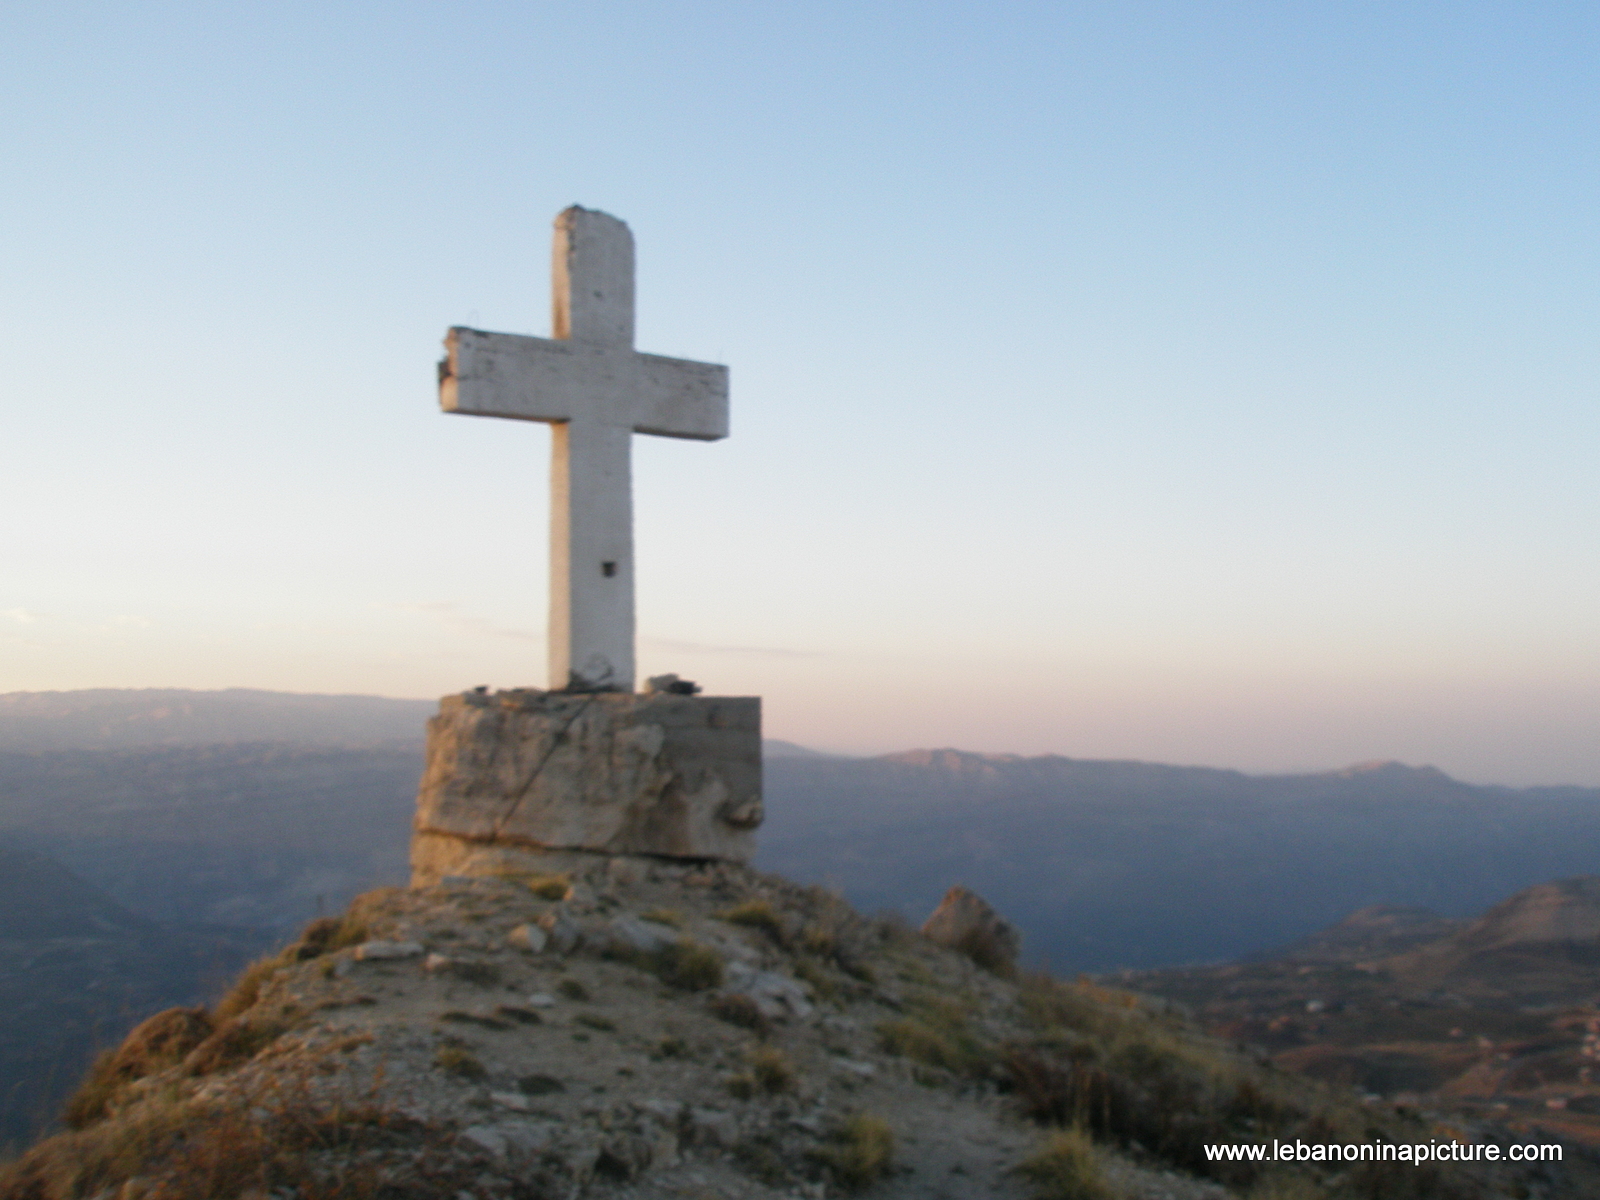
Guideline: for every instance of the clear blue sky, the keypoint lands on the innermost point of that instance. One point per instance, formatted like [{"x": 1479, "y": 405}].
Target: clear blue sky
[{"x": 1194, "y": 382}]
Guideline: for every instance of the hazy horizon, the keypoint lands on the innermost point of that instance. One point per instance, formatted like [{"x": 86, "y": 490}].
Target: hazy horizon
[
  {"x": 830, "y": 751},
  {"x": 1200, "y": 383}
]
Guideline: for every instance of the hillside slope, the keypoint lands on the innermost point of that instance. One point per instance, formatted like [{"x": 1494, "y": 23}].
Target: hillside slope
[{"x": 646, "y": 1029}]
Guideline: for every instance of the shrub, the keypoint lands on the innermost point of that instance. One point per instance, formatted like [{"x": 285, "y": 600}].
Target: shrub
[
  {"x": 859, "y": 1153},
  {"x": 459, "y": 1061},
  {"x": 549, "y": 887},
  {"x": 1066, "y": 1167},
  {"x": 236, "y": 1042},
  {"x": 989, "y": 949},
  {"x": 325, "y": 935},
  {"x": 484, "y": 974},
  {"x": 279, "y": 1139},
  {"x": 811, "y": 972},
  {"x": 1286, "y": 1187},
  {"x": 670, "y": 917},
  {"x": 756, "y": 914},
  {"x": 571, "y": 989},
  {"x": 772, "y": 1070},
  {"x": 540, "y": 1085},
  {"x": 246, "y": 990},
  {"x": 467, "y": 1018},
  {"x": 739, "y": 1009},
  {"x": 935, "y": 1035},
  {"x": 688, "y": 965}
]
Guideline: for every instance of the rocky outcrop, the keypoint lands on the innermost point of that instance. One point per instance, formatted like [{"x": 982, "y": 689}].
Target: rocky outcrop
[
  {"x": 516, "y": 773},
  {"x": 964, "y": 921}
]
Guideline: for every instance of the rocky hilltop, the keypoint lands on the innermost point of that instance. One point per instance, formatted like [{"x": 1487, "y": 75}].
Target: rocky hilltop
[{"x": 636, "y": 1027}]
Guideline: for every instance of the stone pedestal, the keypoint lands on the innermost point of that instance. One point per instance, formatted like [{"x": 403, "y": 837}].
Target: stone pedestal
[{"x": 513, "y": 776}]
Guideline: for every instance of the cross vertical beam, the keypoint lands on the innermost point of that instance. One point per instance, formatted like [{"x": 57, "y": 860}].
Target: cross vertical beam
[{"x": 597, "y": 391}]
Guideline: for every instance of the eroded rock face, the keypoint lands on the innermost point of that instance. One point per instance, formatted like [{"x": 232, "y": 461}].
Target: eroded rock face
[
  {"x": 523, "y": 771},
  {"x": 965, "y": 921}
]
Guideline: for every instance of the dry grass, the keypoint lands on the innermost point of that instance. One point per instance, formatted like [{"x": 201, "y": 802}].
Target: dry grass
[
  {"x": 772, "y": 1070},
  {"x": 935, "y": 1034},
  {"x": 549, "y": 887},
  {"x": 669, "y": 917},
  {"x": 688, "y": 965},
  {"x": 858, "y": 1153},
  {"x": 739, "y": 1009},
  {"x": 756, "y": 914},
  {"x": 155, "y": 1044},
  {"x": 235, "y": 1042},
  {"x": 1066, "y": 1167},
  {"x": 279, "y": 1139},
  {"x": 246, "y": 990},
  {"x": 459, "y": 1061},
  {"x": 1129, "y": 1075},
  {"x": 986, "y": 948},
  {"x": 326, "y": 935}
]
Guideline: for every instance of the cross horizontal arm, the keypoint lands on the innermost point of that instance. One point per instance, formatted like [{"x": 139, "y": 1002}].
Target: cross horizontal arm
[{"x": 546, "y": 379}]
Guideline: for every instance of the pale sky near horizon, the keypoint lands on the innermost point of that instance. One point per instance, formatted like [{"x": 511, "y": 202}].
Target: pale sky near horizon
[{"x": 1204, "y": 383}]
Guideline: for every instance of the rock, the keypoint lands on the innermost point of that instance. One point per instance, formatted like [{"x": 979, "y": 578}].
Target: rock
[
  {"x": 528, "y": 937},
  {"x": 672, "y": 685},
  {"x": 775, "y": 996},
  {"x": 509, "y": 1137},
  {"x": 541, "y": 1000},
  {"x": 381, "y": 950},
  {"x": 850, "y": 1066},
  {"x": 437, "y": 964},
  {"x": 562, "y": 933},
  {"x": 713, "y": 1126},
  {"x": 965, "y": 922},
  {"x": 518, "y": 773},
  {"x": 641, "y": 936},
  {"x": 485, "y": 1137}
]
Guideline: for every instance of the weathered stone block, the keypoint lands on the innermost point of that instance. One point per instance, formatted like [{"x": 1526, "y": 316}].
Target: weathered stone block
[{"x": 614, "y": 773}]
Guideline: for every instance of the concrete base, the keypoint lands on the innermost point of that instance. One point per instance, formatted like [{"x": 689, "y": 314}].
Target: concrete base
[{"x": 513, "y": 775}]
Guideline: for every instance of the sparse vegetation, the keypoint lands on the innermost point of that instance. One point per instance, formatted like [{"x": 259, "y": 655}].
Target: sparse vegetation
[
  {"x": 326, "y": 935},
  {"x": 1066, "y": 1167},
  {"x": 155, "y": 1044},
  {"x": 281, "y": 1140},
  {"x": 935, "y": 1035},
  {"x": 738, "y": 1009},
  {"x": 596, "y": 1021},
  {"x": 246, "y": 990},
  {"x": 457, "y": 1060},
  {"x": 669, "y": 917},
  {"x": 549, "y": 887},
  {"x": 985, "y": 947},
  {"x": 688, "y": 965},
  {"x": 540, "y": 1085},
  {"x": 756, "y": 914},
  {"x": 237, "y": 1041},
  {"x": 772, "y": 1070},
  {"x": 858, "y": 1153},
  {"x": 483, "y": 974},
  {"x": 466, "y": 1018}
]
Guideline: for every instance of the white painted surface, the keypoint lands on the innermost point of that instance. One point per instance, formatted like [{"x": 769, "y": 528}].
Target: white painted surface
[{"x": 597, "y": 391}]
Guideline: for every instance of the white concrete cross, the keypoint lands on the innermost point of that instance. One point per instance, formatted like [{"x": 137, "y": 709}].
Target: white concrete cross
[{"x": 597, "y": 391}]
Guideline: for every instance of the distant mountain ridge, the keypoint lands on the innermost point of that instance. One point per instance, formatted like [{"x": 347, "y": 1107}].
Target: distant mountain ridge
[
  {"x": 118, "y": 718},
  {"x": 1116, "y": 864}
]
